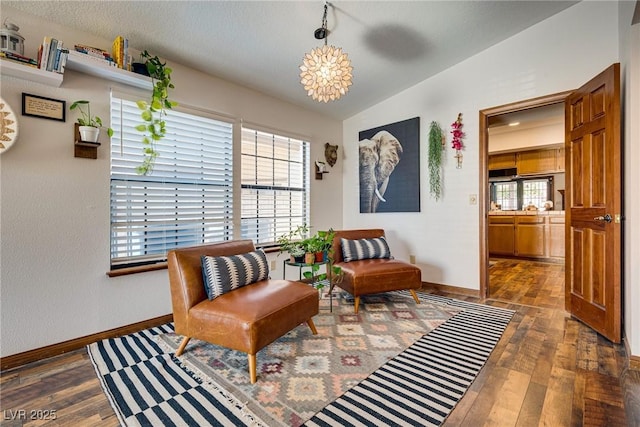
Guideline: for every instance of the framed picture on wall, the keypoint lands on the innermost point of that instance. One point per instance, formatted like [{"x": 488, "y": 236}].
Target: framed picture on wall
[
  {"x": 389, "y": 167},
  {"x": 44, "y": 108}
]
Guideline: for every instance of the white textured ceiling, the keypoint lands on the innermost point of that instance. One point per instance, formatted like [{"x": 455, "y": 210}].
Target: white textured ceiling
[{"x": 260, "y": 44}]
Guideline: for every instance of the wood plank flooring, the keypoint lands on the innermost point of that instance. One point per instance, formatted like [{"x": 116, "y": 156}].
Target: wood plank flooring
[{"x": 547, "y": 370}]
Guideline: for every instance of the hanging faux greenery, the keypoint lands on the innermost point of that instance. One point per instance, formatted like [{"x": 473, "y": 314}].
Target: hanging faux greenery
[
  {"x": 436, "y": 138},
  {"x": 153, "y": 128}
]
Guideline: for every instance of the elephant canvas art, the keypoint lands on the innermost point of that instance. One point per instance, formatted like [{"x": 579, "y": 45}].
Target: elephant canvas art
[{"x": 389, "y": 168}]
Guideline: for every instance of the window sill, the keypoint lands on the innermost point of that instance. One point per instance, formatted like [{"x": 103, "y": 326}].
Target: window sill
[
  {"x": 161, "y": 266},
  {"x": 138, "y": 269}
]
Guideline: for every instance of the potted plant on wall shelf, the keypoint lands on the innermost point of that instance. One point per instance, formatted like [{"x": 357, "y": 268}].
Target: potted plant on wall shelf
[
  {"x": 89, "y": 126},
  {"x": 153, "y": 111}
]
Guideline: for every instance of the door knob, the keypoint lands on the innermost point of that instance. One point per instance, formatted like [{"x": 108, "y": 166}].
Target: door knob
[{"x": 606, "y": 218}]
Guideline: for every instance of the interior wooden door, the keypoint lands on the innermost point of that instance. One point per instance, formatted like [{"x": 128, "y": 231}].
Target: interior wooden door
[{"x": 593, "y": 203}]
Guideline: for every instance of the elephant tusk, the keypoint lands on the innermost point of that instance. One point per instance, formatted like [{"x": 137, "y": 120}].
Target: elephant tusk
[{"x": 379, "y": 195}]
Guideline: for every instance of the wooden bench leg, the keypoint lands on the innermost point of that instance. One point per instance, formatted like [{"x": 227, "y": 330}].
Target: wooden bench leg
[
  {"x": 183, "y": 344},
  {"x": 356, "y": 304},
  {"x": 415, "y": 296},
  {"x": 252, "y": 368},
  {"x": 312, "y": 326}
]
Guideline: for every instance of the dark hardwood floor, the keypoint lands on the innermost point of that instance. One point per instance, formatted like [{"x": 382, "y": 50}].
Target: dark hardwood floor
[{"x": 547, "y": 370}]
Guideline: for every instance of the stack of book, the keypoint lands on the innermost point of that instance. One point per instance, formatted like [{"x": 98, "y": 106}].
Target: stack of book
[
  {"x": 52, "y": 56},
  {"x": 88, "y": 53},
  {"x": 120, "y": 52},
  {"x": 14, "y": 57}
]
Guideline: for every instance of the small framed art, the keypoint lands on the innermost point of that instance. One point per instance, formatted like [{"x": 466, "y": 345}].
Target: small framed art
[{"x": 45, "y": 108}]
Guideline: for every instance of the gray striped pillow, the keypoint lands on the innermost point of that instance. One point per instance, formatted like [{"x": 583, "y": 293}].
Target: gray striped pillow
[
  {"x": 223, "y": 274},
  {"x": 353, "y": 250}
]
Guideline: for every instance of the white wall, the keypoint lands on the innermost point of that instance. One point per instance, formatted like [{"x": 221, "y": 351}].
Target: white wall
[
  {"x": 54, "y": 218},
  {"x": 558, "y": 54},
  {"x": 630, "y": 64}
]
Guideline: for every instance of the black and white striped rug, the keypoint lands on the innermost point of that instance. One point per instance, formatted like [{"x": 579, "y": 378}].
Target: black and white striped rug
[
  {"x": 150, "y": 387},
  {"x": 422, "y": 385}
]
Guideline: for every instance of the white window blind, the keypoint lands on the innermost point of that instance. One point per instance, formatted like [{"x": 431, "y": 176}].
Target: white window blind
[
  {"x": 186, "y": 200},
  {"x": 275, "y": 185}
]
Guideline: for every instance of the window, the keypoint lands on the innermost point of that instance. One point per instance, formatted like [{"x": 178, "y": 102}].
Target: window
[
  {"x": 187, "y": 200},
  {"x": 275, "y": 185},
  {"x": 506, "y": 195},
  {"x": 518, "y": 194}
]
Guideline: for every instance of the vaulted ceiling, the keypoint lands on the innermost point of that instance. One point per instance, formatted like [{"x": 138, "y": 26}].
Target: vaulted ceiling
[{"x": 392, "y": 45}]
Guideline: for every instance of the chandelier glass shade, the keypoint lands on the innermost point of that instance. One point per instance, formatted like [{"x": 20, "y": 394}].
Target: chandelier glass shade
[{"x": 325, "y": 72}]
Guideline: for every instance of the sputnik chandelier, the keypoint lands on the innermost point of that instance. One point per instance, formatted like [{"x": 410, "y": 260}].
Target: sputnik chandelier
[{"x": 326, "y": 70}]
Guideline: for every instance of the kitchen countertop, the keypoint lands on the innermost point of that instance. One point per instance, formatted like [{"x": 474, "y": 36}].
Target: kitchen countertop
[{"x": 540, "y": 213}]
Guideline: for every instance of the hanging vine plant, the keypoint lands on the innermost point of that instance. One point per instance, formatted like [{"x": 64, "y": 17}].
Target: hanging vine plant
[
  {"x": 152, "y": 112},
  {"x": 436, "y": 144}
]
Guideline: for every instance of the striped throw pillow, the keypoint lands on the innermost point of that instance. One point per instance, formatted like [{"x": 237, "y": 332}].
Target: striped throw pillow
[
  {"x": 353, "y": 250},
  {"x": 223, "y": 274}
]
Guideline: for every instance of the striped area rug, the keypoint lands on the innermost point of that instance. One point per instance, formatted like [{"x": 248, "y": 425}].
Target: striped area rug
[
  {"x": 422, "y": 385},
  {"x": 149, "y": 387}
]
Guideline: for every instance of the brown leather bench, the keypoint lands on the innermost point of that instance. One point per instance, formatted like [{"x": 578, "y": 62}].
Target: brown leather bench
[
  {"x": 372, "y": 276},
  {"x": 245, "y": 319}
]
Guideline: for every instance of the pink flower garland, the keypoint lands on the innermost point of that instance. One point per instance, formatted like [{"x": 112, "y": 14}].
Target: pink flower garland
[{"x": 457, "y": 133}]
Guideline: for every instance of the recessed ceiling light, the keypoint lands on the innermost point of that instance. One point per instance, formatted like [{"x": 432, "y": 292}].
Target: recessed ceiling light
[{"x": 514, "y": 123}]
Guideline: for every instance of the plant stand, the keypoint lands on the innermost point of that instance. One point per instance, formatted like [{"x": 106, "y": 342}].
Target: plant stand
[{"x": 302, "y": 265}]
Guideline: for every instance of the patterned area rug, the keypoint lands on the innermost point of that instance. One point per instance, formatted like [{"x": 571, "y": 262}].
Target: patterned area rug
[
  {"x": 375, "y": 368},
  {"x": 301, "y": 373}
]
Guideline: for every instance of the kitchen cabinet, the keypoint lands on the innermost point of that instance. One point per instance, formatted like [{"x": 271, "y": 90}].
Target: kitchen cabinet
[
  {"x": 560, "y": 159},
  {"x": 555, "y": 237},
  {"x": 501, "y": 235},
  {"x": 537, "y": 161},
  {"x": 502, "y": 161},
  {"x": 528, "y": 236}
]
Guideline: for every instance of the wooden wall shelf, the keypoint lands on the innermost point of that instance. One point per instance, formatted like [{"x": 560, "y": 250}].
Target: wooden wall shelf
[{"x": 84, "y": 149}]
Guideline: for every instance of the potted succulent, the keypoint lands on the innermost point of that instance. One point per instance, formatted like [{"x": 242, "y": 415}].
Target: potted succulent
[{"x": 89, "y": 126}]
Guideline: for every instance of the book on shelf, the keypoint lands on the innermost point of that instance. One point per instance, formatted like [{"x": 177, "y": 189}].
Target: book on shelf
[
  {"x": 43, "y": 53},
  {"x": 83, "y": 57},
  {"x": 5, "y": 58},
  {"x": 120, "y": 53},
  {"x": 51, "y": 58},
  {"x": 19, "y": 58}
]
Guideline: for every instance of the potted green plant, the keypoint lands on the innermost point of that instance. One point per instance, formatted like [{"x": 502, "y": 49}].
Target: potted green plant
[
  {"x": 316, "y": 245},
  {"x": 436, "y": 147},
  {"x": 153, "y": 111},
  {"x": 326, "y": 237},
  {"x": 293, "y": 243},
  {"x": 89, "y": 125}
]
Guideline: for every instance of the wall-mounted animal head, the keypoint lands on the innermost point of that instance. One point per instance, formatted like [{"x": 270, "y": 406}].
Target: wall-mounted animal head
[{"x": 331, "y": 153}]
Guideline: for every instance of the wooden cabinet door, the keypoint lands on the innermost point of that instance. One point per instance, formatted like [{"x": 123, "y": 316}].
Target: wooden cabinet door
[
  {"x": 530, "y": 238},
  {"x": 555, "y": 237},
  {"x": 560, "y": 159},
  {"x": 502, "y": 161},
  {"x": 537, "y": 161},
  {"x": 501, "y": 235}
]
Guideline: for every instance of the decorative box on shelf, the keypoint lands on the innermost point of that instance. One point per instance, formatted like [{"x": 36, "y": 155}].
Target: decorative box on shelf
[{"x": 84, "y": 149}]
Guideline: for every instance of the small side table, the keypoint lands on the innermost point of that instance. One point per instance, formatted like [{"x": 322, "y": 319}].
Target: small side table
[{"x": 301, "y": 265}]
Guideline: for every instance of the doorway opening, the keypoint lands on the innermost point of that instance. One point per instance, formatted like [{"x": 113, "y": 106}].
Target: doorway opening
[{"x": 522, "y": 223}]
